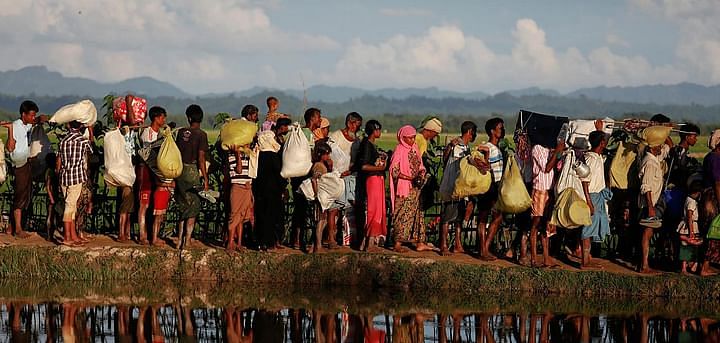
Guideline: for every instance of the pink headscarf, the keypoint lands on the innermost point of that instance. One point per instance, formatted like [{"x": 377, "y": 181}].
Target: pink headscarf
[{"x": 401, "y": 159}]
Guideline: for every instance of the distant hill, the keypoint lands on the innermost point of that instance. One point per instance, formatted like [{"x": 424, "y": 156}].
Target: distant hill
[
  {"x": 533, "y": 91},
  {"x": 341, "y": 94},
  {"x": 39, "y": 80},
  {"x": 679, "y": 94}
]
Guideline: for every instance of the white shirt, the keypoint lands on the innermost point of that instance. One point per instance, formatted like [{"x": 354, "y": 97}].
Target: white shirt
[
  {"x": 148, "y": 136},
  {"x": 21, "y": 134},
  {"x": 597, "y": 172},
  {"x": 495, "y": 158},
  {"x": 651, "y": 176},
  {"x": 339, "y": 138}
]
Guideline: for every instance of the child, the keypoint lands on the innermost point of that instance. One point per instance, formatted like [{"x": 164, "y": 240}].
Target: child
[
  {"x": 688, "y": 229},
  {"x": 322, "y": 165}
]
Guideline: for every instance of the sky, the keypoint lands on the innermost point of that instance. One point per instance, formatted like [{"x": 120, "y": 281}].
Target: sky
[{"x": 229, "y": 45}]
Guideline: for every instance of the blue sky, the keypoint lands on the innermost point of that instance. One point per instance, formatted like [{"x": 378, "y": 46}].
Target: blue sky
[{"x": 226, "y": 45}]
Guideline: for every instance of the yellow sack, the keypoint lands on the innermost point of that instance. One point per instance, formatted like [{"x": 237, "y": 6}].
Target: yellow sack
[
  {"x": 570, "y": 211},
  {"x": 513, "y": 196},
  {"x": 237, "y": 132},
  {"x": 169, "y": 160},
  {"x": 471, "y": 181},
  {"x": 620, "y": 166}
]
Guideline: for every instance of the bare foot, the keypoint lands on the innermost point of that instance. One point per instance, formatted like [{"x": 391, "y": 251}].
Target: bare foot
[
  {"x": 488, "y": 257},
  {"x": 399, "y": 248},
  {"x": 458, "y": 249},
  {"x": 423, "y": 247},
  {"x": 708, "y": 272},
  {"x": 445, "y": 252},
  {"x": 591, "y": 266},
  {"x": 647, "y": 270},
  {"x": 22, "y": 235},
  {"x": 158, "y": 242}
]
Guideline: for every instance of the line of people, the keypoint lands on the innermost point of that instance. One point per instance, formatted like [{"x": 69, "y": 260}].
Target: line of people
[{"x": 640, "y": 182}]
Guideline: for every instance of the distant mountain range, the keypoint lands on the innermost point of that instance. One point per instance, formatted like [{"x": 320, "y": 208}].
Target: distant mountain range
[{"x": 40, "y": 81}]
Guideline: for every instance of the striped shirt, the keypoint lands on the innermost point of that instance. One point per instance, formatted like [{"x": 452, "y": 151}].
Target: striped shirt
[
  {"x": 542, "y": 181},
  {"x": 244, "y": 176},
  {"x": 74, "y": 149},
  {"x": 495, "y": 158}
]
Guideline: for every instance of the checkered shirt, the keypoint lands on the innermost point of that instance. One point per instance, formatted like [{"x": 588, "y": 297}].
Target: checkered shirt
[{"x": 74, "y": 149}]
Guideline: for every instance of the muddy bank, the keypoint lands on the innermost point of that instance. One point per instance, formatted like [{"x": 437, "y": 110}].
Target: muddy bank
[{"x": 421, "y": 275}]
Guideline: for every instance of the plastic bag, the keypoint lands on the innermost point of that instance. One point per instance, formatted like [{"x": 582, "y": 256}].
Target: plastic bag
[
  {"x": 714, "y": 231},
  {"x": 40, "y": 147},
  {"x": 655, "y": 135},
  {"x": 169, "y": 160},
  {"x": 513, "y": 195},
  {"x": 331, "y": 187},
  {"x": 341, "y": 160},
  {"x": 119, "y": 170},
  {"x": 138, "y": 104},
  {"x": 296, "y": 159},
  {"x": 237, "y": 132},
  {"x": 83, "y": 111},
  {"x": 568, "y": 178},
  {"x": 621, "y": 163},
  {"x": 471, "y": 181},
  {"x": 306, "y": 189}
]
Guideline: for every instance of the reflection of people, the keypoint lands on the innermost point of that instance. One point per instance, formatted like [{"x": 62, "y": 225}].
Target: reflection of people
[
  {"x": 372, "y": 335},
  {"x": 68, "y": 323},
  {"x": 122, "y": 332}
]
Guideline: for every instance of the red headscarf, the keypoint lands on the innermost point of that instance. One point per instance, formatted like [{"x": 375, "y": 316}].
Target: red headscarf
[{"x": 401, "y": 159}]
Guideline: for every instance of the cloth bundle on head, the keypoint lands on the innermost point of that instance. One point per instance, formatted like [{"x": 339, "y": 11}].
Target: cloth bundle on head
[
  {"x": 401, "y": 160},
  {"x": 318, "y": 134},
  {"x": 714, "y": 139},
  {"x": 655, "y": 135},
  {"x": 267, "y": 142},
  {"x": 434, "y": 125}
]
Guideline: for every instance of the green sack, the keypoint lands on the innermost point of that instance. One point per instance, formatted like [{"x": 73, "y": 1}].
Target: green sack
[{"x": 714, "y": 231}]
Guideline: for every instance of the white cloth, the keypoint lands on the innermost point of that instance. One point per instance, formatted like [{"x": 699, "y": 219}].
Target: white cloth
[
  {"x": 148, "y": 136},
  {"x": 339, "y": 138},
  {"x": 690, "y": 205},
  {"x": 651, "y": 176},
  {"x": 21, "y": 134},
  {"x": 596, "y": 164}
]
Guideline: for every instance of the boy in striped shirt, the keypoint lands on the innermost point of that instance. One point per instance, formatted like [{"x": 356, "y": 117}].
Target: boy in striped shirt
[{"x": 495, "y": 129}]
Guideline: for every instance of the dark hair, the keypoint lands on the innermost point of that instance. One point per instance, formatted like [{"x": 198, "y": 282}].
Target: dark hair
[
  {"x": 688, "y": 129},
  {"x": 352, "y": 116},
  {"x": 28, "y": 106},
  {"x": 270, "y": 98},
  {"x": 156, "y": 111},
  {"x": 309, "y": 113},
  {"x": 696, "y": 186},
  {"x": 468, "y": 126},
  {"x": 321, "y": 148},
  {"x": 194, "y": 113},
  {"x": 75, "y": 124},
  {"x": 283, "y": 122},
  {"x": 371, "y": 126},
  {"x": 248, "y": 110},
  {"x": 595, "y": 138},
  {"x": 491, "y": 124},
  {"x": 660, "y": 118}
]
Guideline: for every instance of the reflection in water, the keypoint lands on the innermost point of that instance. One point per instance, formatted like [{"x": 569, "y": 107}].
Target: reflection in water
[{"x": 74, "y": 322}]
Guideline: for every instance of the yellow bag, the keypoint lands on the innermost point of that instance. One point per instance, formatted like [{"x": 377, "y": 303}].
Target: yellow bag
[
  {"x": 513, "y": 196},
  {"x": 169, "y": 160},
  {"x": 655, "y": 135},
  {"x": 471, "y": 181},
  {"x": 237, "y": 132},
  {"x": 620, "y": 166},
  {"x": 570, "y": 210}
]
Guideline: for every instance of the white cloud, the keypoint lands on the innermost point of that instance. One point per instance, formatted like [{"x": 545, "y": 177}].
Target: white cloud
[
  {"x": 613, "y": 39},
  {"x": 699, "y": 43},
  {"x": 405, "y": 12},
  {"x": 446, "y": 57},
  {"x": 179, "y": 41}
]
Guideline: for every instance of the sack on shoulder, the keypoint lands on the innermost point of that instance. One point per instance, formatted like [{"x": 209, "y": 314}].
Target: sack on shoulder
[{"x": 714, "y": 231}]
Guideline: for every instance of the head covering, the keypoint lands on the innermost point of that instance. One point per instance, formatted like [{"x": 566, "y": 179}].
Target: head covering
[
  {"x": 401, "y": 160},
  {"x": 714, "y": 139},
  {"x": 655, "y": 135},
  {"x": 317, "y": 133},
  {"x": 267, "y": 141},
  {"x": 433, "y": 124}
]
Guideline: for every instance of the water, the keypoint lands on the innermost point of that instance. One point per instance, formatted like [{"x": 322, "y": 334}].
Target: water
[{"x": 231, "y": 313}]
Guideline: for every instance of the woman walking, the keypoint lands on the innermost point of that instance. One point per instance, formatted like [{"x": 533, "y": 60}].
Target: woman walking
[{"x": 407, "y": 176}]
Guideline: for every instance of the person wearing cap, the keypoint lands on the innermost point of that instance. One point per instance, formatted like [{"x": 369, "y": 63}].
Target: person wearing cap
[
  {"x": 322, "y": 132},
  {"x": 596, "y": 196},
  {"x": 431, "y": 129}
]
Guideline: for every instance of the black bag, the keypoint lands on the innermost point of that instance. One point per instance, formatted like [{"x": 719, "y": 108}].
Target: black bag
[
  {"x": 541, "y": 129},
  {"x": 427, "y": 194}
]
